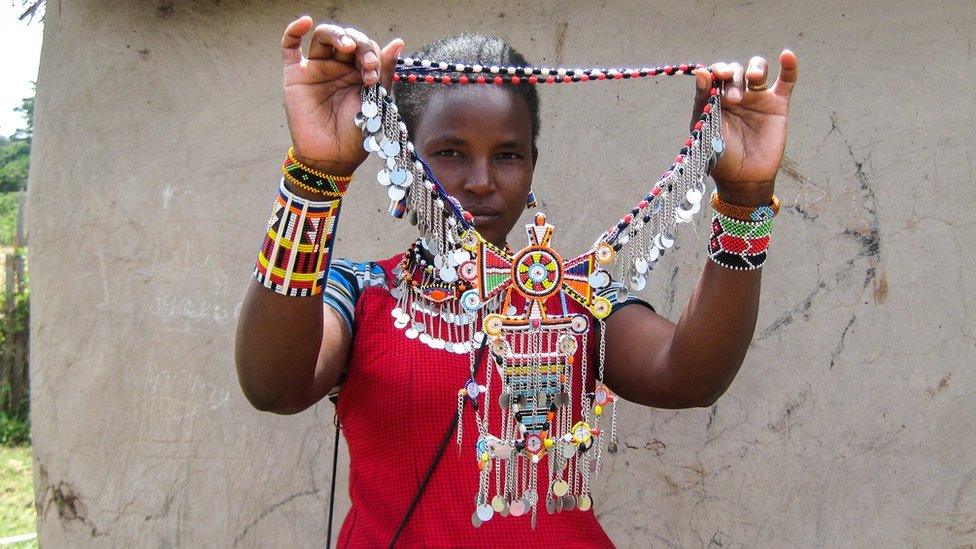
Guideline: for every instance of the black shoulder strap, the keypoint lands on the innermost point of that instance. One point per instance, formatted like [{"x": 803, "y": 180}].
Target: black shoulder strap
[{"x": 437, "y": 458}]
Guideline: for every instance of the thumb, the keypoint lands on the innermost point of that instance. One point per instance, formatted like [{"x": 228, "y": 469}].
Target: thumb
[{"x": 388, "y": 57}]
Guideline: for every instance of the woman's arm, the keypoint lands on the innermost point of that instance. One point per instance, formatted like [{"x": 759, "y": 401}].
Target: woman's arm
[
  {"x": 693, "y": 362},
  {"x": 289, "y": 354}
]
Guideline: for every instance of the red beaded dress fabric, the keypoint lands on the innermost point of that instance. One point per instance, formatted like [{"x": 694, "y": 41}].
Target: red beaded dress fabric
[{"x": 396, "y": 403}]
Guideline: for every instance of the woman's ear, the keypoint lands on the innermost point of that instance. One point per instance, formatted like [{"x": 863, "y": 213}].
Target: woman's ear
[{"x": 535, "y": 155}]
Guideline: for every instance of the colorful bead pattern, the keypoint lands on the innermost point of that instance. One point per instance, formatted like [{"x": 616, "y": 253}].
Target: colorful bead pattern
[
  {"x": 739, "y": 245},
  {"x": 422, "y": 71},
  {"x": 745, "y": 213},
  {"x": 330, "y": 186},
  {"x": 294, "y": 258}
]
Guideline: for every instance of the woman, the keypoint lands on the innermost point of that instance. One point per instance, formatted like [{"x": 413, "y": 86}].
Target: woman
[{"x": 398, "y": 394}]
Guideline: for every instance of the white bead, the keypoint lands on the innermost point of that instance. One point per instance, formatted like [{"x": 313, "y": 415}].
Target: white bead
[
  {"x": 418, "y": 166},
  {"x": 561, "y": 72},
  {"x": 459, "y": 67},
  {"x": 442, "y": 65},
  {"x": 408, "y": 61},
  {"x": 494, "y": 69},
  {"x": 527, "y": 70},
  {"x": 403, "y": 127},
  {"x": 425, "y": 63},
  {"x": 477, "y": 68},
  {"x": 511, "y": 70},
  {"x": 409, "y": 147}
]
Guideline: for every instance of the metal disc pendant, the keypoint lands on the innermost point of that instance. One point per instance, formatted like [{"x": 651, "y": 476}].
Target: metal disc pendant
[
  {"x": 391, "y": 163},
  {"x": 517, "y": 508},
  {"x": 694, "y": 195},
  {"x": 398, "y": 177},
  {"x": 390, "y": 147},
  {"x": 373, "y": 124},
  {"x": 383, "y": 178},
  {"x": 370, "y": 144},
  {"x": 485, "y": 512},
  {"x": 682, "y": 215},
  {"x": 551, "y": 506},
  {"x": 370, "y": 109},
  {"x": 411, "y": 333},
  {"x": 569, "y": 502},
  {"x": 504, "y": 400},
  {"x": 653, "y": 253},
  {"x": 396, "y": 193},
  {"x": 622, "y": 294},
  {"x": 359, "y": 120},
  {"x": 447, "y": 273},
  {"x": 718, "y": 145},
  {"x": 637, "y": 283},
  {"x": 612, "y": 448},
  {"x": 498, "y": 503},
  {"x": 584, "y": 503},
  {"x": 667, "y": 240},
  {"x": 475, "y": 521},
  {"x": 599, "y": 279},
  {"x": 560, "y": 487},
  {"x": 640, "y": 265}
]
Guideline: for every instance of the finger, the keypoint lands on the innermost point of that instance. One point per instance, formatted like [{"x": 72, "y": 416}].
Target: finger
[
  {"x": 787, "y": 74},
  {"x": 332, "y": 42},
  {"x": 722, "y": 71},
  {"x": 367, "y": 56},
  {"x": 291, "y": 42},
  {"x": 757, "y": 72},
  {"x": 388, "y": 59},
  {"x": 735, "y": 93},
  {"x": 703, "y": 87}
]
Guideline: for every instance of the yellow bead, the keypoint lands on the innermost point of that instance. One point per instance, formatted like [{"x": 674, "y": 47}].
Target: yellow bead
[
  {"x": 598, "y": 410},
  {"x": 549, "y": 442},
  {"x": 484, "y": 456}
]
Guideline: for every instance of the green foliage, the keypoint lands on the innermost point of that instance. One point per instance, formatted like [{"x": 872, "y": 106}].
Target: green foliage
[
  {"x": 14, "y": 429},
  {"x": 14, "y": 165},
  {"x": 8, "y": 218},
  {"x": 17, "y": 512}
]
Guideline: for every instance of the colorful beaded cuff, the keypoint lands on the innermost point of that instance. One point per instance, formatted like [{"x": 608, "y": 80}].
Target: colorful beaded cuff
[
  {"x": 745, "y": 213},
  {"x": 294, "y": 259},
  {"x": 739, "y": 245},
  {"x": 331, "y": 186}
]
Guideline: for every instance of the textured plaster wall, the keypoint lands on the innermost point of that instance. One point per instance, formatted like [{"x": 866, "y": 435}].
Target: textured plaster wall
[{"x": 159, "y": 132}]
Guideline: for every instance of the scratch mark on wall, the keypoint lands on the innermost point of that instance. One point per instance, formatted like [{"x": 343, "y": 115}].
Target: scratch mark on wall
[
  {"x": 270, "y": 509},
  {"x": 840, "y": 344}
]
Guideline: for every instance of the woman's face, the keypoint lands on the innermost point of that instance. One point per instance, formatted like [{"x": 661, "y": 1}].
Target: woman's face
[{"x": 478, "y": 141}]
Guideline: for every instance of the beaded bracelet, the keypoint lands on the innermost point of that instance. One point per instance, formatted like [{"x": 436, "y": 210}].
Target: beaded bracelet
[
  {"x": 331, "y": 186},
  {"x": 294, "y": 258},
  {"x": 745, "y": 213},
  {"x": 739, "y": 245}
]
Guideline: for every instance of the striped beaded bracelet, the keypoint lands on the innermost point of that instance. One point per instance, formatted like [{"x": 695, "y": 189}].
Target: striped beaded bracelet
[
  {"x": 294, "y": 258},
  {"x": 300, "y": 175},
  {"x": 739, "y": 245},
  {"x": 745, "y": 213}
]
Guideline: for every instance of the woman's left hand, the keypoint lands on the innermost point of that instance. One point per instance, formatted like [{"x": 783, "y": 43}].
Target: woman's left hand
[{"x": 754, "y": 126}]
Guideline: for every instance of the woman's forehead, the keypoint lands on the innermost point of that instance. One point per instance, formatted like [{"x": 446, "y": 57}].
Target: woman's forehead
[{"x": 478, "y": 108}]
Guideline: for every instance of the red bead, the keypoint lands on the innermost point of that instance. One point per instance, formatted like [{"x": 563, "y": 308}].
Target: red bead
[
  {"x": 683, "y": 67},
  {"x": 567, "y": 79},
  {"x": 698, "y": 125},
  {"x": 642, "y": 204},
  {"x": 429, "y": 79},
  {"x": 714, "y": 91},
  {"x": 480, "y": 80},
  {"x": 550, "y": 80},
  {"x": 732, "y": 243},
  {"x": 757, "y": 245},
  {"x": 463, "y": 80},
  {"x": 688, "y": 142},
  {"x": 445, "y": 80},
  {"x": 412, "y": 78},
  {"x": 516, "y": 80},
  {"x": 618, "y": 76},
  {"x": 655, "y": 191},
  {"x": 678, "y": 159},
  {"x": 468, "y": 217},
  {"x": 668, "y": 70},
  {"x": 628, "y": 218},
  {"x": 584, "y": 77},
  {"x": 497, "y": 80},
  {"x": 707, "y": 109},
  {"x": 634, "y": 74},
  {"x": 533, "y": 80},
  {"x": 396, "y": 77},
  {"x": 601, "y": 76}
]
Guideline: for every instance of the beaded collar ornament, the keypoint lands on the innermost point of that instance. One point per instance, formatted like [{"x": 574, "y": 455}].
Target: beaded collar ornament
[{"x": 465, "y": 296}]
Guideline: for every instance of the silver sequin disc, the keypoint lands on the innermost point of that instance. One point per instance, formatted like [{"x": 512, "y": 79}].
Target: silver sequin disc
[
  {"x": 390, "y": 147},
  {"x": 498, "y": 503},
  {"x": 599, "y": 279},
  {"x": 398, "y": 177},
  {"x": 637, "y": 283},
  {"x": 373, "y": 124},
  {"x": 640, "y": 265},
  {"x": 584, "y": 503},
  {"x": 693, "y": 195},
  {"x": 622, "y": 294},
  {"x": 370, "y": 109},
  {"x": 475, "y": 521},
  {"x": 667, "y": 240},
  {"x": 396, "y": 193},
  {"x": 447, "y": 273},
  {"x": 518, "y": 508},
  {"x": 383, "y": 177},
  {"x": 411, "y": 333},
  {"x": 718, "y": 145},
  {"x": 485, "y": 512},
  {"x": 560, "y": 487},
  {"x": 569, "y": 502},
  {"x": 370, "y": 144}
]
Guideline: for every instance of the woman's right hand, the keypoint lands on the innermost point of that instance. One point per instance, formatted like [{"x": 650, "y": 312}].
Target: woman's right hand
[{"x": 322, "y": 91}]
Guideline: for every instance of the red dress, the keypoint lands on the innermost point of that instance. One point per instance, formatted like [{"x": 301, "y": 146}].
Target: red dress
[{"x": 398, "y": 399}]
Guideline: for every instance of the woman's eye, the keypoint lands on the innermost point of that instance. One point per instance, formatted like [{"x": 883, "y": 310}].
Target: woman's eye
[
  {"x": 449, "y": 153},
  {"x": 509, "y": 156}
]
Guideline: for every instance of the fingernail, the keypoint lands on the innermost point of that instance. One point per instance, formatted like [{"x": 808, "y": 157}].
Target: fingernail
[
  {"x": 370, "y": 58},
  {"x": 371, "y": 76},
  {"x": 346, "y": 41}
]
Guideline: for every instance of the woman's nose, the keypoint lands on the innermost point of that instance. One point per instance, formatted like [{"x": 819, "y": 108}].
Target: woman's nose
[{"x": 478, "y": 180}]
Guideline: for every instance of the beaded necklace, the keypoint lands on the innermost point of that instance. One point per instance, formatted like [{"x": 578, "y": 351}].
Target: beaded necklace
[{"x": 467, "y": 292}]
